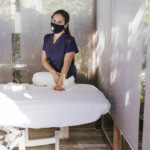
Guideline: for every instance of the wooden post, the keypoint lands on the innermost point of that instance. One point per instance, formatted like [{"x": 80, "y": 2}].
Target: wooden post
[
  {"x": 117, "y": 138},
  {"x": 126, "y": 145}
]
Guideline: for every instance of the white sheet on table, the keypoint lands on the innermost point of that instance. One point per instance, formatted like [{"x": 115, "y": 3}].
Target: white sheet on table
[{"x": 41, "y": 107}]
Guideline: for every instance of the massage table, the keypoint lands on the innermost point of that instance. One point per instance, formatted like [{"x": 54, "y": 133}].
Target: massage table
[{"x": 42, "y": 107}]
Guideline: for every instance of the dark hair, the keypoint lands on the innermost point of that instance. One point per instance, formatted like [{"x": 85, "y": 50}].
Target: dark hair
[{"x": 66, "y": 16}]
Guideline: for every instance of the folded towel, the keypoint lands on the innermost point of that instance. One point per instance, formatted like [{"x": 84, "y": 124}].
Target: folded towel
[{"x": 15, "y": 86}]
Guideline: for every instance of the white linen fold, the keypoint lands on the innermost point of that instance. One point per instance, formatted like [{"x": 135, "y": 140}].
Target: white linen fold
[{"x": 15, "y": 86}]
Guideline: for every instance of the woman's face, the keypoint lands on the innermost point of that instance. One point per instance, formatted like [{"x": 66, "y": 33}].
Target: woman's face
[{"x": 58, "y": 19}]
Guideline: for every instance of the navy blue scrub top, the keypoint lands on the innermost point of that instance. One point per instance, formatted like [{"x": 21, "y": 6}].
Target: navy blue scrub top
[{"x": 56, "y": 52}]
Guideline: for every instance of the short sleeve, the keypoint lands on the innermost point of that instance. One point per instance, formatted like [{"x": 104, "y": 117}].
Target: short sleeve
[
  {"x": 44, "y": 42},
  {"x": 72, "y": 46}
]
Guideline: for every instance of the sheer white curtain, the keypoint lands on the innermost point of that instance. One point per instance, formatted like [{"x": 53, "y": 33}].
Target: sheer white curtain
[
  {"x": 146, "y": 126},
  {"x": 125, "y": 51},
  {"x": 104, "y": 17},
  {"x": 6, "y": 28}
]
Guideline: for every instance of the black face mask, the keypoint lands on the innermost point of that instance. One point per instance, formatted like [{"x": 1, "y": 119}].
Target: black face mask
[{"x": 56, "y": 28}]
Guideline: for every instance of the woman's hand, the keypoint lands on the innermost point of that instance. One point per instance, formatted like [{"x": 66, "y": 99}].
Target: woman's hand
[
  {"x": 57, "y": 88},
  {"x": 59, "y": 85},
  {"x": 56, "y": 76},
  {"x": 67, "y": 61}
]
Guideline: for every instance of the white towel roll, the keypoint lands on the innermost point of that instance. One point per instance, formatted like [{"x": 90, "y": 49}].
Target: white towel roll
[
  {"x": 43, "y": 79},
  {"x": 46, "y": 79}
]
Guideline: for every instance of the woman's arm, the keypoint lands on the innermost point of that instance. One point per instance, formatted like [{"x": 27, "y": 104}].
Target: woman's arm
[
  {"x": 67, "y": 61},
  {"x": 47, "y": 66}
]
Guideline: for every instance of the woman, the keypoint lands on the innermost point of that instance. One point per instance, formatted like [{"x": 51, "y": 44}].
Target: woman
[{"x": 59, "y": 49}]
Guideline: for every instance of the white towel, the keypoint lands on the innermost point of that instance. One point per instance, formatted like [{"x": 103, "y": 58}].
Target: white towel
[
  {"x": 46, "y": 79},
  {"x": 69, "y": 82},
  {"x": 15, "y": 86}
]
